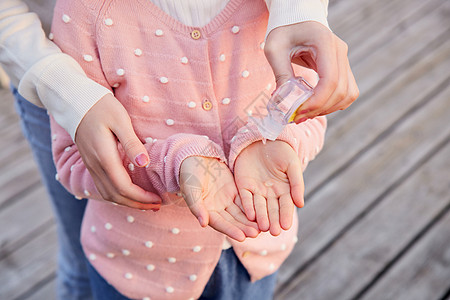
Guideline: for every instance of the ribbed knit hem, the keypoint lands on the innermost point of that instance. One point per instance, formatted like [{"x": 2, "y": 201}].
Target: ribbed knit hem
[
  {"x": 224, "y": 15},
  {"x": 283, "y": 13},
  {"x": 166, "y": 157},
  {"x": 59, "y": 83},
  {"x": 201, "y": 146},
  {"x": 250, "y": 134}
]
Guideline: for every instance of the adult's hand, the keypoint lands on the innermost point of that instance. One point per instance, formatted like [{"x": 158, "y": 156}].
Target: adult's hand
[
  {"x": 96, "y": 138},
  {"x": 312, "y": 45}
]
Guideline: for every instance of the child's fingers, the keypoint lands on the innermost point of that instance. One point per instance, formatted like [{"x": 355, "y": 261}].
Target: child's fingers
[
  {"x": 247, "y": 230},
  {"x": 238, "y": 202},
  {"x": 286, "y": 211},
  {"x": 274, "y": 215},
  {"x": 261, "y": 212},
  {"x": 238, "y": 218},
  {"x": 295, "y": 176},
  {"x": 247, "y": 203},
  {"x": 217, "y": 222}
]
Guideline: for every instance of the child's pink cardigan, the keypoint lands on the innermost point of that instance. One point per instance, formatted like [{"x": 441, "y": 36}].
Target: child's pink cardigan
[{"x": 188, "y": 91}]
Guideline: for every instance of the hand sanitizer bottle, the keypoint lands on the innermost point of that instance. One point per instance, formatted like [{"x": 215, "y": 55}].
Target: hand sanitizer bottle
[{"x": 283, "y": 105}]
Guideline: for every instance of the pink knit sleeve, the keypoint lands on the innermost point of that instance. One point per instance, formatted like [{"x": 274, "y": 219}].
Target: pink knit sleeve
[
  {"x": 306, "y": 139},
  {"x": 74, "y": 31},
  {"x": 161, "y": 175}
]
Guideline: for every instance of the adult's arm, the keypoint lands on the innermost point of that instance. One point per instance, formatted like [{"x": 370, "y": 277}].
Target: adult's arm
[
  {"x": 44, "y": 75},
  {"x": 47, "y": 77}
]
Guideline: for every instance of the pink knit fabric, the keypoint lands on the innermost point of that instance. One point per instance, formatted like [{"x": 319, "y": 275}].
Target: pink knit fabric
[{"x": 163, "y": 76}]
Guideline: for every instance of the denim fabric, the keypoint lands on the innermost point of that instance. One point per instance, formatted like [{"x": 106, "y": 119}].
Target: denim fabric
[
  {"x": 72, "y": 276},
  {"x": 229, "y": 281}
]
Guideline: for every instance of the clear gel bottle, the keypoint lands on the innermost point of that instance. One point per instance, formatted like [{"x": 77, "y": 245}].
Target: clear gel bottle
[{"x": 283, "y": 105}]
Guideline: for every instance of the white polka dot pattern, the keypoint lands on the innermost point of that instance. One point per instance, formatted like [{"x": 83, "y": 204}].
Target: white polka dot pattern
[
  {"x": 193, "y": 277},
  {"x": 109, "y": 22},
  {"x": 66, "y": 19},
  {"x": 172, "y": 260}
]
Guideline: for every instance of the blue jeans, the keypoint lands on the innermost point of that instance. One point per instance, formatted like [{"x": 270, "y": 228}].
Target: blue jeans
[
  {"x": 229, "y": 281},
  {"x": 72, "y": 276}
]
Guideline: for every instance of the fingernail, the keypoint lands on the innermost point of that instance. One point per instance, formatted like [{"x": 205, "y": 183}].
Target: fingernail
[
  {"x": 200, "y": 220},
  {"x": 141, "y": 160}
]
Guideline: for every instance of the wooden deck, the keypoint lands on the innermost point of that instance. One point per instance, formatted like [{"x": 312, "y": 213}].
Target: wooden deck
[{"x": 376, "y": 224}]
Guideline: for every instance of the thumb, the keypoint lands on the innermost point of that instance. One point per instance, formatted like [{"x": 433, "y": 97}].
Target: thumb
[
  {"x": 133, "y": 147},
  {"x": 195, "y": 203},
  {"x": 295, "y": 176},
  {"x": 199, "y": 210},
  {"x": 280, "y": 62}
]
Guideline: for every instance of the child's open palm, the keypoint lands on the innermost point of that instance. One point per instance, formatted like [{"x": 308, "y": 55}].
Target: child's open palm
[
  {"x": 209, "y": 190},
  {"x": 270, "y": 182}
]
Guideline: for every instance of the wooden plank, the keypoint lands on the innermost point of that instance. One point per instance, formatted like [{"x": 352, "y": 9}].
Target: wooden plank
[
  {"x": 389, "y": 56},
  {"x": 403, "y": 47},
  {"x": 22, "y": 217},
  {"x": 423, "y": 272},
  {"x": 379, "y": 29},
  {"x": 359, "y": 255},
  {"x": 46, "y": 292},
  {"x": 381, "y": 23},
  {"x": 359, "y": 126},
  {"x": 15, "y": 178},
  {"x": 15, "y": 152},
  {"x": 338, "y": 202},
  {"x": 27, "y": 266},
  {"x": 8, "y": 115}
]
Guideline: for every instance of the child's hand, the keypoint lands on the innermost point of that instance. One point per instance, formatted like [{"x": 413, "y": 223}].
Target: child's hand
[
  {"x": 209, "y": 190},
  {"x": 270, "y": 181}
]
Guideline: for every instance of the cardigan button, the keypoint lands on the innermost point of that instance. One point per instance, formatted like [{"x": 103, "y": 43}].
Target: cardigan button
[
  {"x": 207, "y": 105},
  {"x": 195, "y": 34}
]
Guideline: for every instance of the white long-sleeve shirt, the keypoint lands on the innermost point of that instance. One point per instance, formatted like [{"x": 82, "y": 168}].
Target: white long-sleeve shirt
[{"x": 47, "y": 77}]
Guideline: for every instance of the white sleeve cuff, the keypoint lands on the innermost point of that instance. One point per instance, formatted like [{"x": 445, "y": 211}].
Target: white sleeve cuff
[
  {"x": 60, "y": 84},
  {"x": 287, "y": 12}
]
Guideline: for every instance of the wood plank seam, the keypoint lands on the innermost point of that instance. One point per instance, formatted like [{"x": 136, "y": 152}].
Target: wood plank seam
[
  {"x": 6, "y": 251},
  {"x": 419, "y": 235},
  {"x": 377, "y": 86},
  {"x": 290, "y": 283},
  {"x": 29, "y": 292},
  {"x": 379, "y": 139}
]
